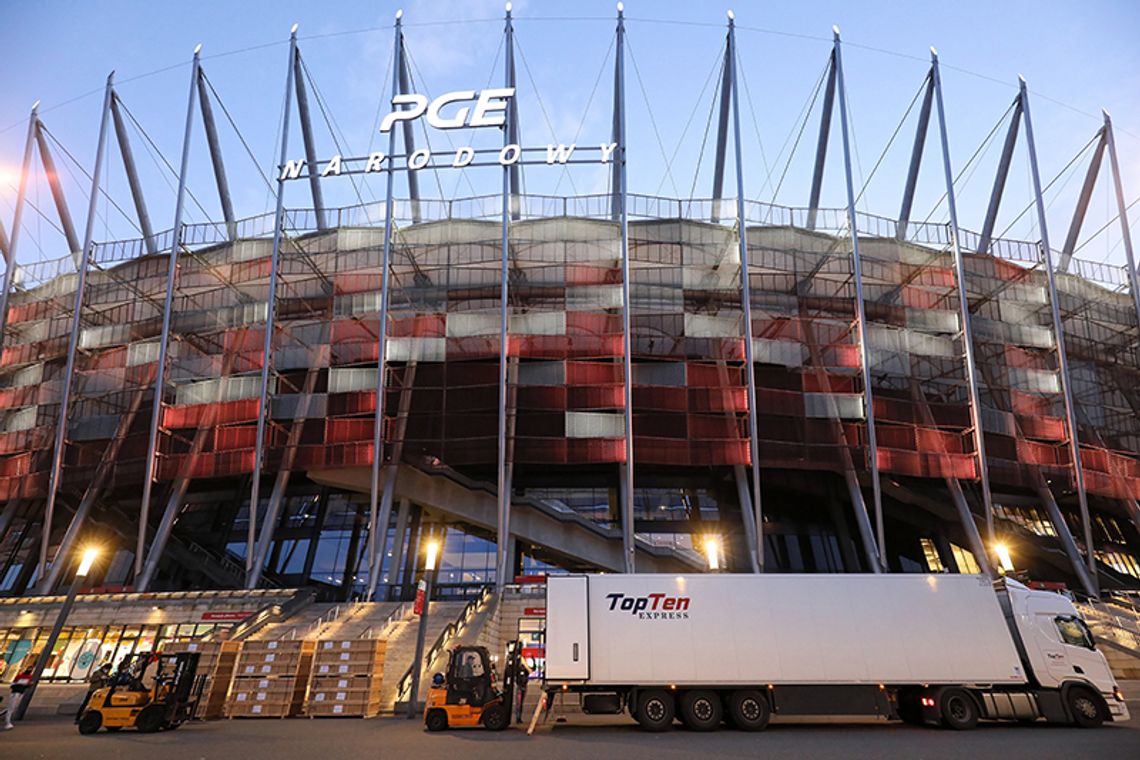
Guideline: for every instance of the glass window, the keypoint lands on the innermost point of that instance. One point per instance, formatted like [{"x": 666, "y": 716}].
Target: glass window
[
  {"x": 965, "y": 560},
  {"x": 930, "y": 552},
  {"x": 1074, "y": 632}
]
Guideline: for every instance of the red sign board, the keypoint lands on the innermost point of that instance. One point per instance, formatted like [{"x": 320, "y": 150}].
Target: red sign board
[
  {"x": 534, "y": 611},
  {"x": 418, "y": 609},
  {"x": 534, "y": 653},
  {"x": 225, "y": 617}
]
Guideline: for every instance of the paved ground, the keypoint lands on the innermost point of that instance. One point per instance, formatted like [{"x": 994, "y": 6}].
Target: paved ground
[{"x": 580, "y": 737}]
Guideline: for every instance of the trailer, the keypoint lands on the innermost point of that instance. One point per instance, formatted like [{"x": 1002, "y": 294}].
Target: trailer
[{"x": 943, "y": 650}]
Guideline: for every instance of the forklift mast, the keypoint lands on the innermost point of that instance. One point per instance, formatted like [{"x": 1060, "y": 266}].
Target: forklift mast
[{"x": 510, "y": 669}]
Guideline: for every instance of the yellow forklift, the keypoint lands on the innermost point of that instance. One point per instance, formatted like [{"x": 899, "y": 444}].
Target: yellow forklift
[
  {"x": 467, "y": 695},
  {"x": 128, "y": 702}
]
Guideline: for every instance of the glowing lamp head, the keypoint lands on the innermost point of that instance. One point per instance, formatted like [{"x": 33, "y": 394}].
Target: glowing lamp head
[
  {"x": 432, "y": 552},
  {"x": 90, "y": 554},
  {"x": 1006, "y": 562},
  {"x": 712, "y": 552}
]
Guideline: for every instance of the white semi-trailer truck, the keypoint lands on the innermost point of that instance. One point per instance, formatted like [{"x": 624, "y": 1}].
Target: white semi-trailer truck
[{"x": 928, "y": 649}]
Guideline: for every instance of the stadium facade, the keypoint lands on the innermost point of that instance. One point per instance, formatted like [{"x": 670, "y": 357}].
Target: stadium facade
[{"x": 803, "y": 389}]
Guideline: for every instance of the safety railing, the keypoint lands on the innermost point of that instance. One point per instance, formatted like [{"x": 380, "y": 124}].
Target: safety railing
[
  {"x": 383, "y": 630},
  {"x": 591, "y": 206}
]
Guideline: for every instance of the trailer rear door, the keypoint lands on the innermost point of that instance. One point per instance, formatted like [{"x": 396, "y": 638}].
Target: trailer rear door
[{"x": 567, "y": 628}]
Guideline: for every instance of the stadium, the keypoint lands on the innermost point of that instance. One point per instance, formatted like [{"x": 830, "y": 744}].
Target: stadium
[{"x": 611, "y": 381}]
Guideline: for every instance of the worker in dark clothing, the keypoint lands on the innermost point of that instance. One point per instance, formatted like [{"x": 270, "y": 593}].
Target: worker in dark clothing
[
  {"x": 99, "y": 678},
  {"x": 522, "y": 675}
]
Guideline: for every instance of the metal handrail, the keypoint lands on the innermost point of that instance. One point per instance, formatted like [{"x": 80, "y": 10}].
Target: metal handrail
[{"x": 451, "y": 629}]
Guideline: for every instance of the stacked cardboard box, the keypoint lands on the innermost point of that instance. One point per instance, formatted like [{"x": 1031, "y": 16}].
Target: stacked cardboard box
[
  {"x": 346, "y": 678},
  {"x": 216, "y": 661},
  {"x": 271, "y": 679}
]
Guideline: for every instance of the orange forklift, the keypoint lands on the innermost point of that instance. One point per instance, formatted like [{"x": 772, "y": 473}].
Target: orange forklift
[{"x": 467, "y": 695}]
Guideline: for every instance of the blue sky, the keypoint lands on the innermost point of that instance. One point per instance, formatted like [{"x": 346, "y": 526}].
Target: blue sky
[{"x": 1077, "y": 58}]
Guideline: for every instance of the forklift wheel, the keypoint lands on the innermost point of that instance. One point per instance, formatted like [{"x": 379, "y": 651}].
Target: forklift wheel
[
  {"x": 436, "y": 720},
  {"x": 497, "y": 717},
  {"x": 91, "y": 722},
  {"x": 151, "y": 720}
]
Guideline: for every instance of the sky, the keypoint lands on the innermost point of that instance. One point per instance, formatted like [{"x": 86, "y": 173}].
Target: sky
[{"x": 1077, "y": 58}]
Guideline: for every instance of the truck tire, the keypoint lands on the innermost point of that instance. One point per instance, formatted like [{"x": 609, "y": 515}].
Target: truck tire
[
  {"x": 1085, "y": 707},
  {"x": 436, "y": 720},
  {"x": 749, "y": 710},
  {"x": 959, "y": 710},
  {"x": 655, "y": 710},
  {"x": 701, "y": 710},
  {"x": 91, "y": 722}
]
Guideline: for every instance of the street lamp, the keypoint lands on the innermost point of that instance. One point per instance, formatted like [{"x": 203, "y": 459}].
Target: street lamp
[
  {"x": 712, "y": 552},
  {"x": 423, "y": 597},
  {"x": 90, "y": 554},
  {"x": 1006, "y": 562}
]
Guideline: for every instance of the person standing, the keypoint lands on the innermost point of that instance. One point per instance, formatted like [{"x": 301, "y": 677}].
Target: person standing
[
  {"x": 20, "y": 684},
  {"x": 522, "y": 675}
]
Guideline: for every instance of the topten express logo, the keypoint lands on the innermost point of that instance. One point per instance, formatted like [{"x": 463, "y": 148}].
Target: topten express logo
[{"x": 651, "y": 606}]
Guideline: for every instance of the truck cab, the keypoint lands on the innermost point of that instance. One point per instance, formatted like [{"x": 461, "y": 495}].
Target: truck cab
[{"x": 1057, "y": 644}]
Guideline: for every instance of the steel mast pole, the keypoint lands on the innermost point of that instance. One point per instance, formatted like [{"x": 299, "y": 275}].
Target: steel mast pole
[
  {"x": 503, "y": 532},
  {"x": 48, "y": 581},
  {"x": 627, "y": 536},
  {"x": 1059, "y": 330},
  {"x": 21, "y": 196},
  {"x": 746, "y": 301},
  {"x": 963, "y": 303},
  {"x": 164, "y": 340},
  {"x": 252, "y": 568},
  {"x": 1122, "y": 209},
  {"x": 860, "y": 309},
  {"x": 131, "y": 170},
  {"x": 375, "y": 543}
]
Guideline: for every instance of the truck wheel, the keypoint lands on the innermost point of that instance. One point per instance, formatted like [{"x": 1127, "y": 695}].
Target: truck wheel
[
  {"x": 497, "y": 717},
  {"x": 436, "y": 720},
  {"x": 655, "y": 710},
  {"x": 701, "y": 710},
  {"x": 959, "y": 711},
  {"x": 749, "y": 710},
  {"x": 1085, "y": 707},
  {"x": 91, "y": 722}
]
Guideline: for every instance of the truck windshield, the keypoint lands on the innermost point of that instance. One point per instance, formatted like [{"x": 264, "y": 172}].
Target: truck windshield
[{"x": 1073, "y": 631}]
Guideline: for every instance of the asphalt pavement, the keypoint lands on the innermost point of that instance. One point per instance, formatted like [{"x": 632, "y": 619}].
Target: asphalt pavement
[{"x": 579, "y": 737}]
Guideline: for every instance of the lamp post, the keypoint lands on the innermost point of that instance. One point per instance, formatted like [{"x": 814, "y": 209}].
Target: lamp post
[
  {"x": 90, "y": 554},
  {"x": 423, "y": 596}
]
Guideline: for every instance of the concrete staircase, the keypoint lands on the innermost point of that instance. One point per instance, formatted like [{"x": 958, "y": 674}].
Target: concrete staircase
[
  {"x": 402, "y": 650},
  {"x": 1117, "y": 632},
  {"x": 346, "y": 620}
]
